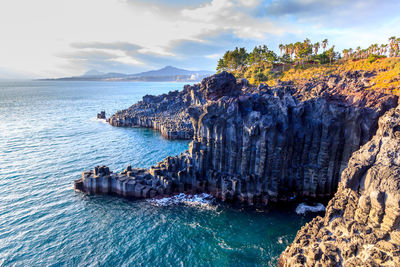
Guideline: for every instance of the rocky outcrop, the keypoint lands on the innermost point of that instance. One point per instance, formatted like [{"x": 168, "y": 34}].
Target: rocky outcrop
[
  {"x": 131, "y": 183},
  {"x": 101, "y": 115},
  {"x": 251, "y": 145},
  {"x": 361, "y": 226},
  {"x": 165, "y": 113},
  {"x": 168, "y": 113}
]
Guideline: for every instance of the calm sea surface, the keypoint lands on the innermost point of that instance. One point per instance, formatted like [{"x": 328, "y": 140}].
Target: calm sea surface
[{"x": 49, "y": 135}]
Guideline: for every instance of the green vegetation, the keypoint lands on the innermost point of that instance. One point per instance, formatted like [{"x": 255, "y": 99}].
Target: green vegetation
[{"x": 305, "y": 60}]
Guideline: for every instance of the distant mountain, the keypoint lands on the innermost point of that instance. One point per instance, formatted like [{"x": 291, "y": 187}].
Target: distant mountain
[
  {"x": 167, "y": 74},
  {"x": 93, "y": 73},
  {"x": 172, "y": 71}
]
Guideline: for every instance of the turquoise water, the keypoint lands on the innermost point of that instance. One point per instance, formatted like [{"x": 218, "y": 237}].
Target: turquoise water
[{"x": 49, "y": 135}]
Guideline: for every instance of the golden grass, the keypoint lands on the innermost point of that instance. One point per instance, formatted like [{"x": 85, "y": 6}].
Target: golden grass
[{"x": 387, "y": 72}]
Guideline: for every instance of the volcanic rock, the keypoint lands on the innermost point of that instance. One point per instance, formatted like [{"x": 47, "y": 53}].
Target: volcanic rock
[{"x": 361, "y": 226}]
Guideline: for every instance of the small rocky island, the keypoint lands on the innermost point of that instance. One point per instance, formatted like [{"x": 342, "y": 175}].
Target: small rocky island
[
  {"x": 101, "y": 115},
  {"x": 322, "y": 138}
]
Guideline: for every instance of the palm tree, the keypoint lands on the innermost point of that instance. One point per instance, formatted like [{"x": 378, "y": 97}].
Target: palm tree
[
  {"x": 392, "y": 41},
  {"x": 385, "y": 48},
  {"x": 291, "y": 50},
  {"x": 358, "y": 51},
  {"x": 316, "y": 47},
  {"x": 331, "y": 54},
  {"x": 382, "y": 49},
  {"x": 281, "y": 47},
  {"x": 297, "y": 47},
  {"x": 324, "y": 44},
  {"x": 345, "y": 53}
]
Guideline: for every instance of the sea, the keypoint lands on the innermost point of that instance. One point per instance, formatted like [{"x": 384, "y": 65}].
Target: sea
[{"x": 49, "y": 135}]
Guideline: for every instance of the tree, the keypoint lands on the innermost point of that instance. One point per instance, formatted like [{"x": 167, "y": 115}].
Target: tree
[
  {"x": 316, "y": 47},
  {"x": 331, "y": 54},
  {"x": 221, "y": 65},
  {"x": 291, "y": 49},
  {"x": 261, "y": 54},
  {"x": 233, "y": 60},
  {"x": 392, "y": 41},
  {"x": 358, "y": 52},
  {"x": 304, "y": 50},
  {"x": 281, "y": 48},
  {"x": 350, "y": 52},
  {"x": 324, "y": 44},
  {"x": 345, "y": 53},
  {"x": 285, "y": 59}
]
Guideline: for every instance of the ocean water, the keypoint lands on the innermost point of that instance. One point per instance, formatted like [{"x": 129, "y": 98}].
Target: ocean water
[{"x": 49, "y": 135}]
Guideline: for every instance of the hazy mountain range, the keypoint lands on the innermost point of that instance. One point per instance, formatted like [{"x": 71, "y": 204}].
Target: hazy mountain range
[{"x": 165, "y": 74}]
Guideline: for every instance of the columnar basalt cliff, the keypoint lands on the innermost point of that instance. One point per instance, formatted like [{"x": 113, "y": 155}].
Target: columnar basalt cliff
[
  {"x": 165, "y": 113},
  {"x": 361, "y": 226},
  {"x": 251, "y": 145},
  {"x": 168, "y": 113}
]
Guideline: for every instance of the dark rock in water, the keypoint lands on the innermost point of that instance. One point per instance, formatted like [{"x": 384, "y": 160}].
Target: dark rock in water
[
  {"x": 101, "y": 115},
  {"x": 361, "y": 226}
]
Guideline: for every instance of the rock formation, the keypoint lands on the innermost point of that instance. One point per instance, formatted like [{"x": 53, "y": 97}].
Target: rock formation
[
  {"x": 251, "y": 145},
  {"x": 165, "y": 113},
  {"x": 101, "y": 115},
  {"x": 168, "y": 113},
  {"x": 361, "y": 226},
  {"x": 257, "y": 145}
]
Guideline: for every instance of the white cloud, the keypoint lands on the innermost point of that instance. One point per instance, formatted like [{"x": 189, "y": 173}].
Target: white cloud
[
  {"x": 214, "y": 56},
  {"x": 34, "y": 33},
  {"x": 235, "y": 16},
  {"x": 52, "y": 38}
]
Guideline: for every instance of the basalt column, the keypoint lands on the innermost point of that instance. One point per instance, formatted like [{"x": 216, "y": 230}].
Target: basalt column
[{"x": 272, "y": 146}]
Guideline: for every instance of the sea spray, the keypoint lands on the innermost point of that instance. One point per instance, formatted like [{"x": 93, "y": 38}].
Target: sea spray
[
  {"x": 303, "y": 208},
  {"x": 182, "y": 198}
]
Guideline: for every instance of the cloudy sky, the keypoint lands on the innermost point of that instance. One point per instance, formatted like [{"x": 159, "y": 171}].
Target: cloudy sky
[{"x": 55, "y": 38}]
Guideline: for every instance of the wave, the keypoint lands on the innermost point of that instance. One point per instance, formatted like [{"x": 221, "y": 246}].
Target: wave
[
  {"x": 192, "y": 200},
  {"x": 99, "y": 120},
  {"x": 304, "y": 208}
]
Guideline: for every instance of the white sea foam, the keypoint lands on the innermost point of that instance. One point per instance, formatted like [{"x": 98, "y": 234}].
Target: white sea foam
[
  {"x": 98, "y": 120},
  {"x": 304, "y": 208},
  {"x": 182, "y": 198}
]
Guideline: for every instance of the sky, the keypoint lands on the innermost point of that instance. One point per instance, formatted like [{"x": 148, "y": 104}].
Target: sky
[{"x": 59, "y": 38}]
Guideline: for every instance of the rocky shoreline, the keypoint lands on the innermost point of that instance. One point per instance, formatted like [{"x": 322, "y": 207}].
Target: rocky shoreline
[
  {"x": 263, "y": 145},
  {"x": 164, "y": 113},
  {"x": 362, "y": 221}
]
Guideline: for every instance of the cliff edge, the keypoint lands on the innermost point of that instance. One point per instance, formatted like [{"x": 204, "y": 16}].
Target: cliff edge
[{"x": 361, "y": 226}]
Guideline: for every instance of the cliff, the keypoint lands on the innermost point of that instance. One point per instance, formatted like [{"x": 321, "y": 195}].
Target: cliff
[
  {"x": 361, "y": 226},
  {"x": 168, "y": 113},
  {"x": 251, "y": 145},
  {"x": 165, "y": 113}
]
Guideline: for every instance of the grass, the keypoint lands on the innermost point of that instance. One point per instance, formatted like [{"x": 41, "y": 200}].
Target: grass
[{"x": 387, "y": 73}]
